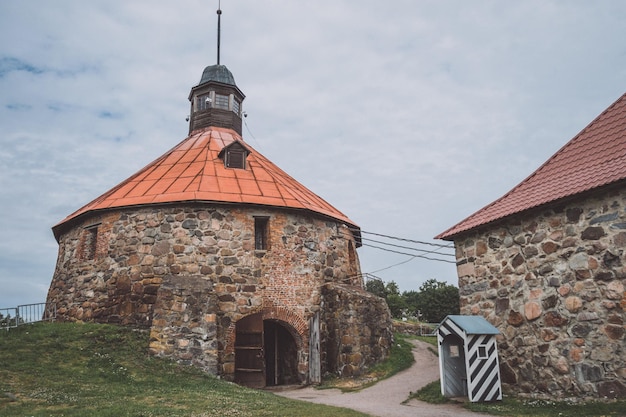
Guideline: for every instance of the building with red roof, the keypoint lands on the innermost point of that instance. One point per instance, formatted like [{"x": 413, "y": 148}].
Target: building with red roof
[
  {"x": 546, "y": 264},
  {"x": 233, "y": 265}
]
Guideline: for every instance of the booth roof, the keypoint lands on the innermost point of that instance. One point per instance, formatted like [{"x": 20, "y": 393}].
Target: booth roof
[{"x": 473, "y": 324}]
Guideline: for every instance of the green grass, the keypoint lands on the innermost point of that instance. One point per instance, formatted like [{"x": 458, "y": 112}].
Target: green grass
[
  {"x": 63, "y": 369},
  {"x": 430, "y": 393},
  {"x": 68, "y": 369},
  {"x": 539, "y": 408},
  {"x": 431, "y": 340},
  {"x": 400, "y": 358},
  {"x": 513, "y": 407}
]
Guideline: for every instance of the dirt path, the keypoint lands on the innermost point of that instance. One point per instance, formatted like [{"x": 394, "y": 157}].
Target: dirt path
[{"x": 385, "y": 398}]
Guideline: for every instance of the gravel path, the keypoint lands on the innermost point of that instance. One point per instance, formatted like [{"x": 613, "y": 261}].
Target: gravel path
[{"x": 385, "y": 398}]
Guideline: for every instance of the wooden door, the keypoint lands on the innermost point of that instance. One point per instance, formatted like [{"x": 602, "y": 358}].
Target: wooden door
[
  {"x": 249, "y": 354},
  {"x": 315, "y": 367},
  {"x": 455, "y": 374}
]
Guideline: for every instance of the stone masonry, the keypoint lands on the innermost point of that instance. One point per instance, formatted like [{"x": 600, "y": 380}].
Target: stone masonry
[
  {"x": 189, "y": 273},
  {"x": 184, "y": 325},
  {"x": 349, "y": 346},
  {"x": 553, "y": 282}
]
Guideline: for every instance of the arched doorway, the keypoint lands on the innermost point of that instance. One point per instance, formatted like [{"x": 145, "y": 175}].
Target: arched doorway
[
  {"x": 454, "y": 373},
  {"x": 266, "y": 352},
  {"x": 281, "y": 354}
]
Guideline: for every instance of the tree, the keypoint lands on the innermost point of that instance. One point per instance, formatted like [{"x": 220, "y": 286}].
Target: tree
[
  {"x": 390, "y": 292},
  {"x": 376, "y": 287},
  {"x": 392, "y": 289},
  {"x": 411, "y": 298},
  {"x": 436, "y": 300},
  {"x": 396, "y": 304}
]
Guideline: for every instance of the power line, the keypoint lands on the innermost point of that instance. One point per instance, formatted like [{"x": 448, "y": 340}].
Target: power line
[
  {"x": 405, "y": 240},
  {"x": 389, "y": 267},
  {"x": 245, "y": 115},
  {"x": 410, "y": 248},
  {"x": 410, "y": 254}
]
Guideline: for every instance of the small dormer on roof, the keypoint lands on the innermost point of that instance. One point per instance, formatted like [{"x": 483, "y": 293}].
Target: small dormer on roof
[
  {"x": 234, "y": 155},
  {"x": 216, "y": 100}
]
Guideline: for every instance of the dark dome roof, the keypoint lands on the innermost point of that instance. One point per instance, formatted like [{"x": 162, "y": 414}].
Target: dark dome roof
[{"x": 218, "y": 73}]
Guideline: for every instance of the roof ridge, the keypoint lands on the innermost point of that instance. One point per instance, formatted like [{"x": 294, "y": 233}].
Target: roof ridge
[{"x": 581, "y": 144}]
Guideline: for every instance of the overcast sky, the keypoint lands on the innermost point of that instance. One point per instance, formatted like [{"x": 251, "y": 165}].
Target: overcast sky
[{"x": 406, "y": 115}]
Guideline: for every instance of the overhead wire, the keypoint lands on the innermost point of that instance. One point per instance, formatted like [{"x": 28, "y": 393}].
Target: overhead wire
[
  {"x": 392, "y": 247},
  {"x": 391, "y": 266},
  {"x": 410, "y": 254},
  {"x": 245, "y": 115},
  {"x": 435, "y": 251},
  {"x": 404, "y": 239}
]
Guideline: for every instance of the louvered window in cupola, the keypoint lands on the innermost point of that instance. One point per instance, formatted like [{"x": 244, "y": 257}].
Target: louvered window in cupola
[{"x": 234, "y": 156}]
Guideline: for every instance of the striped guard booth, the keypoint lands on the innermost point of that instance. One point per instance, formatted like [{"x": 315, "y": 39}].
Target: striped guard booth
[{"x": 468, "y": 358}]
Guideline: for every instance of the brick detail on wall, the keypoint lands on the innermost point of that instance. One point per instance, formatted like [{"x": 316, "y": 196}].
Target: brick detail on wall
[{"x": 281, "y": 314}]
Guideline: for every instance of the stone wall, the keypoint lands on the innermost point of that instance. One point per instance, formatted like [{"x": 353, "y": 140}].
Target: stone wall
[
  {"x": 131, "y": 272},
  {"x": 356, "y": 330},
  {"x": 553, "y": 282},
  {"x": 184, "y": 326},
  {"x": 416, "y": 329}
]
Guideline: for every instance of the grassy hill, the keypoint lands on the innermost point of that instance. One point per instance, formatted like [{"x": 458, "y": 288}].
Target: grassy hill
[{"x": 69, "y": 369}]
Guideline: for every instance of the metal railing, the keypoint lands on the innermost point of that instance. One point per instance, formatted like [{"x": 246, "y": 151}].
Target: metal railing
[
  {"x": 428, "y": 329},
  {"x": 26, "y": 313},
  {"x": 8, "y": 318}
]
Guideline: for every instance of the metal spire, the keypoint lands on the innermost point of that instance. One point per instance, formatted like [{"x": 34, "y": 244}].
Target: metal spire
[{"x": 219, "y": 17}]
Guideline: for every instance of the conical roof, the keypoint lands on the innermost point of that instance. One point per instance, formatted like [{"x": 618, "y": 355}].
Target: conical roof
[
  {"x": 194, "y": 171},
  {"x": 594, "y": 158},
  {"x": 217, "y": 73}
]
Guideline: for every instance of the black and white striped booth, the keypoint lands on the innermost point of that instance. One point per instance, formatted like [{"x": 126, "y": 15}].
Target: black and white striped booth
[{"x": 468, "y": 358}]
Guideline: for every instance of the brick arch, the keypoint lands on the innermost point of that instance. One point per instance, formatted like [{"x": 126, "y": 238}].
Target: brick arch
[{"x": 298, "y": 325}]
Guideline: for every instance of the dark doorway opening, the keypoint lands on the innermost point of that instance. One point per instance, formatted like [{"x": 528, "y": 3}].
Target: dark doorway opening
[{"x": 281, "y": 354}]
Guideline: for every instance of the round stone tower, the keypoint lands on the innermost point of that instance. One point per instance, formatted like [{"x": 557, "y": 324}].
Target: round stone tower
[{"x": 233, "y": 266}]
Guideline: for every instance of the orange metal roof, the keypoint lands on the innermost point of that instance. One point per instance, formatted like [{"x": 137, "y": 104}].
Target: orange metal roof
[
  {"x": 593, "y": 158},
  {"x": 193, "y": 172}
]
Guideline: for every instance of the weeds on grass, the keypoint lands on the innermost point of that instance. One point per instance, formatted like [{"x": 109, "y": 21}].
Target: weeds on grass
[
  {"x": 73, "y": 370},
  {"x": 430, "y": 393},
  {"x": 543, "y": 408},
  {"x": 400, "y": 358},
  {"x": 513, "y": 407}
]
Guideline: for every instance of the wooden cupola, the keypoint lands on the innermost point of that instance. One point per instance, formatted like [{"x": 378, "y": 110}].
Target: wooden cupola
[{"x": 216, "y": 100}]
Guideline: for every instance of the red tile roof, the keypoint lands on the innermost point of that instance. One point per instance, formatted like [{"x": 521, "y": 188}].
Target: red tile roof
[
  {"x": 594, "y": 158},
  {"x": 193, "y": 172}
]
